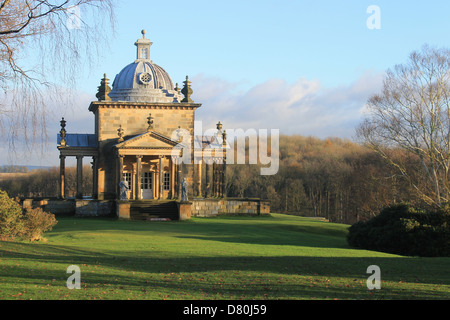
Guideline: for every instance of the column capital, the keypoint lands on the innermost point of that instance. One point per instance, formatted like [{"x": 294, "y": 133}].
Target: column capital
[
  {"x": 139, "y": 156},
  {"x": 62, "y": 157}
]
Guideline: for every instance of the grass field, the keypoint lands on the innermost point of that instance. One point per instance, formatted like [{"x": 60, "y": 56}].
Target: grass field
[{"x": 273, "y": 257}]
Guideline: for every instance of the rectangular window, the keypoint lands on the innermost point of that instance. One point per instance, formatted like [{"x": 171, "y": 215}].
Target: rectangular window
[
  {"x": 146, "y": 181},
  {"x": 166, "y": 181},
  {"x": 144, "y": 53},
  {"x": 127, "y": 178}
]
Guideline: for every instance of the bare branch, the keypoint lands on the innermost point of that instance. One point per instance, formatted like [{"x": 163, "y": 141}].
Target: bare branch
[
  {"x": 40, "y": 52},
  {"x": 413, "y": 114}
]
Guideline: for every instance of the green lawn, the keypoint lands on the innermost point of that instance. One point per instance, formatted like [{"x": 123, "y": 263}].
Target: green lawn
[{"x": 273, "y": 257}]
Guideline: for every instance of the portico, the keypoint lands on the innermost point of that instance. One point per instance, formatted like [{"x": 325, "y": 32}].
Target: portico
[
  {"x": 80, "y": 146},
  {"x": 148, "y": 173}
]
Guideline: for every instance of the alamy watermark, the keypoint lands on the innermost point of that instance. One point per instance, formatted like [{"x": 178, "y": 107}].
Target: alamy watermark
[
  {"x": 374, "y": 281},
  {"x": 374, "y": 20},
  {"x": 74, "y": 18},
  {"x": 235, "y": 146},
  {"x": 74, "y": 281}
]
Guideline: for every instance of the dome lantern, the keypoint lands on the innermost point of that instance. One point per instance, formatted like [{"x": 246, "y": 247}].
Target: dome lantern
[
  {"x": 143, "y": 80},
  {"x": 143, "y": 47}
]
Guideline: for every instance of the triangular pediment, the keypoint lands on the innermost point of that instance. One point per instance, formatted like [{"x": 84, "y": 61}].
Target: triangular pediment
[{"x": 147, "y": 140}]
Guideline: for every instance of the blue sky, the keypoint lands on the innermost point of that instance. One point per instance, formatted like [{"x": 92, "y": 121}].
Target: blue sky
[
  {"x": 253, "y": 41},
  {"x": 302, "y": 66}
]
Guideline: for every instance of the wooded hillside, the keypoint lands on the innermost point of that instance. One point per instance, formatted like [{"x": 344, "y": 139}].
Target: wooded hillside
[{"x": 332, "y": 178}]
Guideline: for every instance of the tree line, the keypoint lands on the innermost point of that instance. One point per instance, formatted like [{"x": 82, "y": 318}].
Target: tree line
[
  {"x": 13, "y": 169},
  {"x": 44, "y": 183},
  {"x": 333, "y": 178}
]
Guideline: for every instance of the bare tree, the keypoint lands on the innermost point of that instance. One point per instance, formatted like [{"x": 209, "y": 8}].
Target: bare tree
[
  {"x": 43, "y": 46},
  {"x": 412, "y": 113}
]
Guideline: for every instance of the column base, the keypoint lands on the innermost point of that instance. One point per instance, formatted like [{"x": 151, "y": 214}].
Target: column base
[
  {"x": 184, "y": 210},
  {"x": 123, "y": 210}
]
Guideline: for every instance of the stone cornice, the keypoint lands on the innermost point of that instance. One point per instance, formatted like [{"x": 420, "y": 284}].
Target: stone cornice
[
  {"x": 95, "y": 105},
  {"x": 78, "y": 151}
]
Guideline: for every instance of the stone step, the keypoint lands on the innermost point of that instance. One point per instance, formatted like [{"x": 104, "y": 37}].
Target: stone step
[{"x": 153, "y": 209}]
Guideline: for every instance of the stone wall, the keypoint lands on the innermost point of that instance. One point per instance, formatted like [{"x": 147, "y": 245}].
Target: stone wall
[
  {"x": 213, "y": 207},
  {"x": 94, "y": 208},
  {"x": 78, "y": 208},
  {"x": 60, "y": 207},
  {"x": 108, "y": 208},
  {"x": 57, "y": 207}
]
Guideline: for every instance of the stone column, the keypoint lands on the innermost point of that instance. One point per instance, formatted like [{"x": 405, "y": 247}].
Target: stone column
[
  {"x": 154, "y": 184},
  {"x": 214, "y": 179},
  {"x": 178, "y": 180},
  {"x": 79, "y": 177},
  {"x": 62, "y": 176},
  {"x": 94, "y": 178},
  {"x": 219, "y": 179},
  {"x": 160, "y": 177},
  {"x": 119, "y": 174},
  {"x": 224, "y": 177},
  {"x": 198, "y": 182},
  {"x": 207, "y": 180},
  {"x": 218, "y": 176},
  {"x": 172, "y": 178},
  {"x": 138, "y": 177}
]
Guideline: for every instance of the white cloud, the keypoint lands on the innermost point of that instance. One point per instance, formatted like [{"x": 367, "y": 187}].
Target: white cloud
[{"x": 304, "y": 107}]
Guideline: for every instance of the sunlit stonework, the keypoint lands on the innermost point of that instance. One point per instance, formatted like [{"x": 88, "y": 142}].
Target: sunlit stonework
[{"x": 137, "y": 128}]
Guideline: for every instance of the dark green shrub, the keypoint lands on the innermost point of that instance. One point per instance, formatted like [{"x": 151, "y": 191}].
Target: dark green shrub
[{"x": 404, "y": 230}]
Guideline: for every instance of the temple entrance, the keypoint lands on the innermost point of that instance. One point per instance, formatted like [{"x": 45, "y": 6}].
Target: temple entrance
[{"x": 147, "y": 185}]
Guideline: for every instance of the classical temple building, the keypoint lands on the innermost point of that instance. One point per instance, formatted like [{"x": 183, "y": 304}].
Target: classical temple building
[{"x": 144, "y": 126}]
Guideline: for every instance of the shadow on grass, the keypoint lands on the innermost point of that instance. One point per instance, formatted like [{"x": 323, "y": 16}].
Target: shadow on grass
[
  {"x": 182, "y": 286},
  {"x": 247, "y": 277},
  {"x": 424, "y": 270}
]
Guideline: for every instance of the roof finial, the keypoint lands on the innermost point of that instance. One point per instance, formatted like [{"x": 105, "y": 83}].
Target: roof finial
[
  {"x": 62, "y": 133},
  {"x": 120, "y": 133},
  {"x": 104, "y": 89},
  {"x": 187, "y": 91},
  {"x": 143, "y": 33},
  {"x": 150, "y": 122}
]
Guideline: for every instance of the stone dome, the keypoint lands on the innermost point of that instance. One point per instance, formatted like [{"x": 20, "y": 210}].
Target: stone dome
[{"x": 143, "y": 80}]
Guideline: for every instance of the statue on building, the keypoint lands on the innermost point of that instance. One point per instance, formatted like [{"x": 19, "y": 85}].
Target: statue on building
[
  {"x": 184, "y": 190},
  {"x": 124, "y": 190}
]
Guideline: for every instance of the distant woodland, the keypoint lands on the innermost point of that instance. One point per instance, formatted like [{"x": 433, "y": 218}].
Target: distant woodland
[
  {"x": 332, "y": 178},
  {"x": 13, "y": 169},
  {"x": 44, "y": 183}
]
